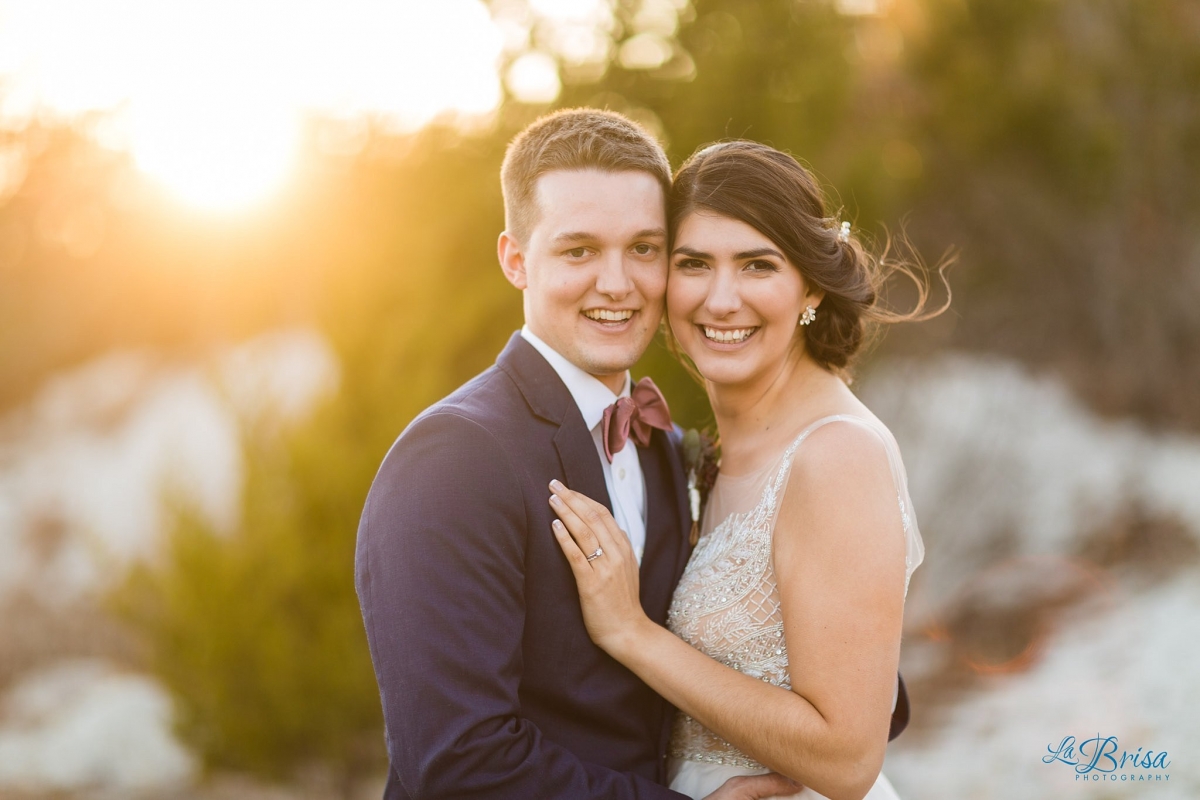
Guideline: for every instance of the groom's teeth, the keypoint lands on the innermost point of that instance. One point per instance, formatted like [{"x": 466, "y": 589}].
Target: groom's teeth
[
  {"x": 728, "y": 337},
  {"x": 601, "y": 314}
]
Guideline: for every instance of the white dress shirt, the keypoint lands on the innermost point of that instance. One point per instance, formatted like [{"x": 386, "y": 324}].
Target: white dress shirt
[{"x": 623, "y": 477}]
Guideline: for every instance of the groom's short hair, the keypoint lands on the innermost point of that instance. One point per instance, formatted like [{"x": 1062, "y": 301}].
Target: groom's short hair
[{"x": 570, "y": 139}]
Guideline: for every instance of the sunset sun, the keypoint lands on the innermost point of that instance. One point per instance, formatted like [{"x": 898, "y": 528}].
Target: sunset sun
[{"x": 210, "y": 98}]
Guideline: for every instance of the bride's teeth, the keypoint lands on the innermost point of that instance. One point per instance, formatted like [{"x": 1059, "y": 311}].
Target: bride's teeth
[
  {"x": 728, "y": 337},
  {"x": 607, "y": 316}
]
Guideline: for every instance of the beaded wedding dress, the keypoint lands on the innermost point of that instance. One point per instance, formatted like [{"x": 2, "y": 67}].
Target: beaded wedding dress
[{"x": 727, "y": 604}]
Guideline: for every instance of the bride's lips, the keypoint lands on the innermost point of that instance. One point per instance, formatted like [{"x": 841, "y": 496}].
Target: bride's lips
[{"x": 726, "y": 337}]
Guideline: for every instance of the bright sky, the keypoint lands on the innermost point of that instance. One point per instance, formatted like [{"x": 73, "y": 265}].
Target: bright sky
[{"x": 209, "y": 95}]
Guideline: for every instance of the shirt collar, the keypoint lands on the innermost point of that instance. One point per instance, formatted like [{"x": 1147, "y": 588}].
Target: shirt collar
[{"x": 590, "y": 395}]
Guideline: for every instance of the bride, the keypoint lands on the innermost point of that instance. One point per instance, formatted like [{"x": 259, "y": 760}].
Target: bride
[{"x": 784, "y": 635}]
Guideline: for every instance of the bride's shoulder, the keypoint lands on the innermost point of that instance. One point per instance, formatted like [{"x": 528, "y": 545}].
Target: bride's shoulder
[
  {"x": 841, "y": 489},
  {"x": 841, "y": 448}
]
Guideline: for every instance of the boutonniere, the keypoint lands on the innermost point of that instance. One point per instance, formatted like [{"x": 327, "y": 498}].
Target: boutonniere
[{"x": 701, "y": 461}]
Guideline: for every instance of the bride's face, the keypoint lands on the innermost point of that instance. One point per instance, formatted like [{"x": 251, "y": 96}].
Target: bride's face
[{"x": 734, "y": 299}]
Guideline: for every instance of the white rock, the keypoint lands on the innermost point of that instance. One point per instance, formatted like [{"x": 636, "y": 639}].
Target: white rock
[
  {"x": 1125, "y": 669},
  {"x": 1004, "y": 464},
  {"x": 83, "y": 724},
  {"x": 103, "y": 450},
  {"x": 279, "y": 375}
]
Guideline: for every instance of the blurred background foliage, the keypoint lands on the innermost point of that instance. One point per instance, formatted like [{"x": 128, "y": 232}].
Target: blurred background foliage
[{"x": 1055, "y": 143}]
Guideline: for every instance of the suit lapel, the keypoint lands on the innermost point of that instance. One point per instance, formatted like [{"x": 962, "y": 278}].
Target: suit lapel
[
  {"x": 671, "y": 444},
  {"x": 666, "y": 513},
  {"x": 580, "y": 462},
  {"x": 549, "y": 398}
]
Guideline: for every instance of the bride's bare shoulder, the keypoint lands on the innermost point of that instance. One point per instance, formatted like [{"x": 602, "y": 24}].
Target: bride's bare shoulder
[
  {"x": 840, "y": 499},
  {"x": 842, "y": 445}
]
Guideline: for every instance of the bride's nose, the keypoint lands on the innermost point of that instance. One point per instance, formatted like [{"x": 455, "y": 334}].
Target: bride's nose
[{"x": 723, "y": 296}]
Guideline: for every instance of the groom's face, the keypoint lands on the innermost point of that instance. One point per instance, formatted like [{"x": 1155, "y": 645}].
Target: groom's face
[{"x": 593, "y": 267}]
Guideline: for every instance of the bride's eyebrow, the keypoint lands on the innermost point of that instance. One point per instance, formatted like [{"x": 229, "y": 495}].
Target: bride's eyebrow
[
  {"x": 759, "y": 253},
  {"x": 742, "y": 256}
]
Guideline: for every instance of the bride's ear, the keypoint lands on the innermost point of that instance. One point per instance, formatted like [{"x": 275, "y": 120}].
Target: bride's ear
[{"x": 512, "y": 260}]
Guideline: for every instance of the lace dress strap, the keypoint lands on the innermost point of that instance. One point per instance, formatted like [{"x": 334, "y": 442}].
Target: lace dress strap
[{"x": 914, "y": 547}]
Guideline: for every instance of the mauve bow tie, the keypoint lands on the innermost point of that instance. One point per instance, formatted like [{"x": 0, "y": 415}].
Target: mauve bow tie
[{"x": 645, "y": 408}]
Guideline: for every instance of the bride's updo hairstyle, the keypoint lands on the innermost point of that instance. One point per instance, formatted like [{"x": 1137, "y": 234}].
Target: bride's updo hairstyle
[{"x": 771, "y": 192}]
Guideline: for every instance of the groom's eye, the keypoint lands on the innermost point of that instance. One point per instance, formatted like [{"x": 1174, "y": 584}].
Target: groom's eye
[
  {"x": 643, "y": 249},
  {"x": 578, "y": 252}
]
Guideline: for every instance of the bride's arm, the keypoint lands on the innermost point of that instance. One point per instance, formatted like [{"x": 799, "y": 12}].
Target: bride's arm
[{"x": 839, "y": 563}]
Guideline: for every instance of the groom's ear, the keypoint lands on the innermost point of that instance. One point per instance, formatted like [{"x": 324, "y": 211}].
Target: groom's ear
[{"x": 512, "y": 260}]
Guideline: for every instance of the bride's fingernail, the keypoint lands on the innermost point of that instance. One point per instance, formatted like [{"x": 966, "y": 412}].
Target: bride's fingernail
[
  {"x": 558, "y": 527},
  {"x": 555, "y": 486},
  {"x": 554, "y": 501}
]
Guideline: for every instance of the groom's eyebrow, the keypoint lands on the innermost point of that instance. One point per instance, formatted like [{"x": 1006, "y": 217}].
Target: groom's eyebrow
[
  {"x": 651, "y": 233},
  {"x": 574, "y": 236},
  {"x": 583, "y": 236}
]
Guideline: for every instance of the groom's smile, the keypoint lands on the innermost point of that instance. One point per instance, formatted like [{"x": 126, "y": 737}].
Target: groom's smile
[
  {"x": 610, "y": 321},
  {"x": 613, "y": 317},
  {"x": 593, "y": 267}
]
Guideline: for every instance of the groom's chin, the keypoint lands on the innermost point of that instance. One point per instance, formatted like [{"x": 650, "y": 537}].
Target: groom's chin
[{"x": 609, "y": 357}]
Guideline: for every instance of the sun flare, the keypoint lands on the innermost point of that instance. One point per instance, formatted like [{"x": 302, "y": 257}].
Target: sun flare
[{"x": 211, "y": 96}]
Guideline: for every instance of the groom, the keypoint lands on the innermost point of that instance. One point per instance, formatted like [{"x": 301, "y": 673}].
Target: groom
[{"x": 491, "y": 687}]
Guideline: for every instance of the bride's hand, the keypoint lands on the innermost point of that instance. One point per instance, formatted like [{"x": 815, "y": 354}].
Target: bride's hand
[
  {"x": 752, "y": 787},
  {"x": 606, "y": 570}
]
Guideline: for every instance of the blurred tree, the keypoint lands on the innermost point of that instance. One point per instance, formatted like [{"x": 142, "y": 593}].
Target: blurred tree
[{"x": 1061, "y": 138}]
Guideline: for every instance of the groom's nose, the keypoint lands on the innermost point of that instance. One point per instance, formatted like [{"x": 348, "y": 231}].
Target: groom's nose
[{"x": 613, "y": 279}]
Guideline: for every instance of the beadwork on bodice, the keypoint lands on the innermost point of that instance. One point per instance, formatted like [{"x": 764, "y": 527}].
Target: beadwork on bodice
[{"x": 727, "y": 604}]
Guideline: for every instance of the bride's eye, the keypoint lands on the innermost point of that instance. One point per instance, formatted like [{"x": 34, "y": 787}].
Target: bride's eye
[
  {"x": 761, "y": 266},
  {"x": 690, "y": 264}
]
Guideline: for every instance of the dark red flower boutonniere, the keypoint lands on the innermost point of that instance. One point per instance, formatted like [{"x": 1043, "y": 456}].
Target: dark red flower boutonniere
[{"x": 701, "y": 461}]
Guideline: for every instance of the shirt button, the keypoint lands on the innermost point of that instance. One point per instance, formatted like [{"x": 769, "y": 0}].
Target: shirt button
[{"x": 621, "y": 473}]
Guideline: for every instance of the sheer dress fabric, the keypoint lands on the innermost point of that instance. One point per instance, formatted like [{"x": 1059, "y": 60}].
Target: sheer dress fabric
[{"x": 727, "y": 604}]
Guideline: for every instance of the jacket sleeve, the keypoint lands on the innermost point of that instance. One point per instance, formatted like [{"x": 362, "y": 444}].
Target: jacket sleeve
[{"x": 440, "y": 577}]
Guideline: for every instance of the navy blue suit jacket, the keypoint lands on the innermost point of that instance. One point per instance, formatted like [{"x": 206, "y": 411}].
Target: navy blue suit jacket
[{"x": 491, "y": 687}]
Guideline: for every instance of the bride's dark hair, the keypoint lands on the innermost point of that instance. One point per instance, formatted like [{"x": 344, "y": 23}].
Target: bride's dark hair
[{"x": 770, "y": 191}]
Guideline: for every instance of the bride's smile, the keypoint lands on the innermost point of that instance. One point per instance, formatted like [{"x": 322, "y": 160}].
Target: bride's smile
[{"x": 734, "y": 300}]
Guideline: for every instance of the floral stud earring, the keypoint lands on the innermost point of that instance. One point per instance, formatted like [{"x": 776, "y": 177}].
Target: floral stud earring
[{"x": 808, "y": 316}]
